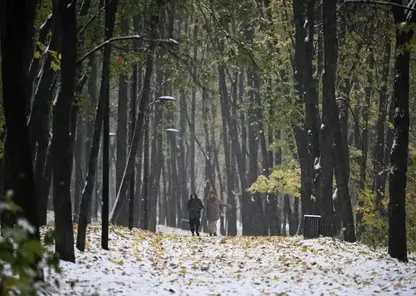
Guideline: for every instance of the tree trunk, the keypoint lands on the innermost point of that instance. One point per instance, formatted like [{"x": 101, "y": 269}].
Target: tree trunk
[
  {"x": 181, "y": 157},
  {"x": 62, "y": 154},
  {"x": 379, "y": 167},
  {"x": 19, "y": 182},
  {"x": 399, "y": 152},
  {"x": 40, "y": 116},
  {"x": 95, "y": 146},
  {"x": 132, "y": 202},
  {"x": 122, "y": 127},
  {"x": 109, "y": 22},
  {"x": 192, "y": 126},
  {"x": 339, "y": 155},
  {"x": 144, "y": 217},
  {"x": 326, "y": 140},
  {"x": 80, "y": 160},
  {"x": 304, "y": 53}
]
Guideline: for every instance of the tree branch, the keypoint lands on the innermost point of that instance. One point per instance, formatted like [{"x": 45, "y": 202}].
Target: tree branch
[
  {"x": 378, "y": 2},
  {"x": 123, "y": 38}
]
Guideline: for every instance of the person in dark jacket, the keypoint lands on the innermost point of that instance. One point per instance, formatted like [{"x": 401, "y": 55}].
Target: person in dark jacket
[{"x": 194, "y": 208}]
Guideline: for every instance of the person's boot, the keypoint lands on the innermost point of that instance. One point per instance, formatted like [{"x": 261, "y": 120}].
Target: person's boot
[
  {"x": 210, "y": 234},
  {"x": 192, "y": 232},
  {"x": 197, "y": 233},
  {"x": 215, "y": 234}
]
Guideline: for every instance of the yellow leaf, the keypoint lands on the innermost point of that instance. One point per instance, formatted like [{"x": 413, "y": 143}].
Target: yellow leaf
[{"x": 36, "y": 55}]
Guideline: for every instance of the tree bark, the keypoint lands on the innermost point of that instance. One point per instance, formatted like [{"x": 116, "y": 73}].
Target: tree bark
[
  {"x": 62, "y": 154},
  {"x": 133, "y": 98},
  {"x": 122, "y": 126},
  {"x": 339, "y": 155},
  {"x": 326, "y": 140},
  {"x": 85, "y": 207},
  {"x": 397, "y": 245},
  {"x": 39, "y": 121},
  {"x": 110, "y": 18},
  {"x": 379, "y": 167},
  {"x": 18, "y": 171}
]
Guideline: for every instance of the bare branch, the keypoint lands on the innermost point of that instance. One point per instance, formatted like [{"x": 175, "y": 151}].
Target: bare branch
[
  {"x": 89, "y": 21},
  {"x": 124, "y": 38},
  {"x": 378, "y": 2}
]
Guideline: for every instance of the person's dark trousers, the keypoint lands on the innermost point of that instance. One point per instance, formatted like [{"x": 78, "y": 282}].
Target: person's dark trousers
[{"x": 194, "y": 224}]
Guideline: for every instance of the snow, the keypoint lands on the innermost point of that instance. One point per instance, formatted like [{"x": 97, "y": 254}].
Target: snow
[{"x": 173, "y": 262}]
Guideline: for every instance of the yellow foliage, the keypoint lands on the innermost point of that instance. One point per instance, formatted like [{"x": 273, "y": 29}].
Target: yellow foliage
[{"x": 284, "y": 178}]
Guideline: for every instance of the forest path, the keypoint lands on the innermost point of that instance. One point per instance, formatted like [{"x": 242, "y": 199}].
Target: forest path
[{"x": 174, "y": 263}]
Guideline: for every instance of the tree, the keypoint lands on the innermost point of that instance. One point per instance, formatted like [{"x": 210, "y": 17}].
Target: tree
[
  {"x": 61, "y": 146},
  {"x": 399, "y": 151},
  {"x": 18, "y": 172}
]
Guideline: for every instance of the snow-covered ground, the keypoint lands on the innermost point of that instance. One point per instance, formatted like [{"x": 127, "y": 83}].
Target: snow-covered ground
[{"x": 172, "y": 262}]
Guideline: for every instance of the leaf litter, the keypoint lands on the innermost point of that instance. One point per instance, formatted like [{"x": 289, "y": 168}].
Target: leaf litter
[{"x": 172, "y": 262}]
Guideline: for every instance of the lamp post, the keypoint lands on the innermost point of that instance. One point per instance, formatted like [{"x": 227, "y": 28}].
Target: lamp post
[
  {"x": 171, "y": 133},
  {"x": 146, "y": 168}
]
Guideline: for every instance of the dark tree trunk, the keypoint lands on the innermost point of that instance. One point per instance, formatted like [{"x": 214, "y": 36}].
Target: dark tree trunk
[
  {"x": 86, "y": 199},
  {"x": 326, "y": 140},
  {"x": 208, "y": 156},
  {"x": 163, "y": 197},
  {"x": 311, "y": 99},
  {"x": 156, "y": 167},
  {"x": 44, "y": 30},
  {"x": 303, "y": 52},
  {"x": 62, "y": 154},
  {"x": 231, "y": 179},
  {"x": 136, "y": 180},
  {"x": 110, "y": 18},
  {"x": 339, "y": 155},
  {"x": 181, "y": 157},
  {"x": 399, "y": 152},
  {"x": 170, "y": 199},
  {"x": 144, "y": 217},
  {"x": 122, "y": 128},
  {"x": 288, "y": 214},
  {"x": 80, "y": 160},
  {"x": 133, "y": 97},
  {"x": 192, "y": 126},
  {"x": 40, "y": 116},
  {"x": 256, "y": 208},
  {"x": 379, "y": 167},
  {"x": 16, "y": 37}
]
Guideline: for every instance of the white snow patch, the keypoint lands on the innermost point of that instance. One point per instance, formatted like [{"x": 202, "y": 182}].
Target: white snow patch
[{"x": 142, "y": 263}]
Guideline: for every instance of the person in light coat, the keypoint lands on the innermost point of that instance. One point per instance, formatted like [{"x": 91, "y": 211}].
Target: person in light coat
[{"x": 213, "y": 212}]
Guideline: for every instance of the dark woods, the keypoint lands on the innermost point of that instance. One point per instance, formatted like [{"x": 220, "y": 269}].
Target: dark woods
[{"x": 116, "y": 110}]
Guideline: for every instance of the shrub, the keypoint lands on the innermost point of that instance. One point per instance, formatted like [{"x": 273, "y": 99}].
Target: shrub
[{"x": 22, "y": 257}]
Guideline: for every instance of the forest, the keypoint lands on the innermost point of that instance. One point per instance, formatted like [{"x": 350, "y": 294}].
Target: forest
[{"x": 115, "y": 111}]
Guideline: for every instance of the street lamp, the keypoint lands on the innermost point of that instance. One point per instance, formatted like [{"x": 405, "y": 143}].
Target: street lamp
[{"x": 166, "y": 98}]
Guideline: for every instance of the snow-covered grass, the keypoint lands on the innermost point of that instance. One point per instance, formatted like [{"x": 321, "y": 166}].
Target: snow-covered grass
[{"x": 172, "y": 262}]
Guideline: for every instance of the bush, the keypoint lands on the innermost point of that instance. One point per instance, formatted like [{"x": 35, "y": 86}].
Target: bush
[
  {"x": 22, "y": 257},
  {"x": 376, "y": 227}
]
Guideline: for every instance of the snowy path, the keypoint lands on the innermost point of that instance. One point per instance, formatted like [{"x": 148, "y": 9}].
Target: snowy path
[{"x": 141, "y": 263}]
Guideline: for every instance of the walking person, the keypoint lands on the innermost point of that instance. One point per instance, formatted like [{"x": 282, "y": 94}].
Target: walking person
[
  {"x": 194, "y": 208},
  {"x": 213, "y": 212}
]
